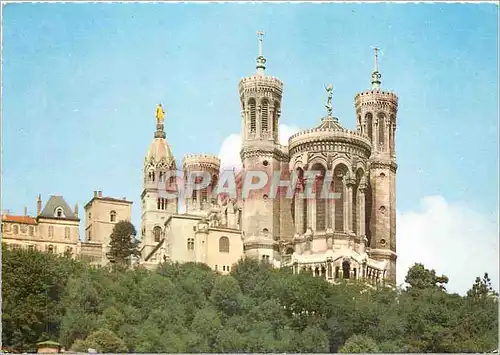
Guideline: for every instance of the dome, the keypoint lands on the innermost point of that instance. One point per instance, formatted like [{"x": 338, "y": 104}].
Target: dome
[{"x": 158, "y": 151}]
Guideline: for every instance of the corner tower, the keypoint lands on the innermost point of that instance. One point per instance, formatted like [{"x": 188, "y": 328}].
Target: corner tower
[
  {"x": 260, "y": 98},
  {"x": 155, "y": 206},
  {"x": 376, "y": 112}
]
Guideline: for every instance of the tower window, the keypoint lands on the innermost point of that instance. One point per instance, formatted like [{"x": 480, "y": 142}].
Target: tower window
[
  {"x": 224, "y": 245},
  {"x": 112, "y": 216},
  {"x": 190, "y": 244},
  {"x": 265, "y": 162},
  {"x": 265, "y": 116},
  {"x": 157, "y": 233},
  {"x": 253, "y": 116}
]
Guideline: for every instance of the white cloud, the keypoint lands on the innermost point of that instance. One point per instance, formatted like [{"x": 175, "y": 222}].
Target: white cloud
[
  {"x": 230, "y": 149},
  {"x": 453, "y": 239}
]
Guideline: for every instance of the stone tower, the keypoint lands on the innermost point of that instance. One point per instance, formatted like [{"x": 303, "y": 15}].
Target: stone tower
[
  {"x": 260, "y": 98},
  {"x": 200, "y": 201},
  {"x": 376, "y": 112},
  {"x": 156, "y": 205}
]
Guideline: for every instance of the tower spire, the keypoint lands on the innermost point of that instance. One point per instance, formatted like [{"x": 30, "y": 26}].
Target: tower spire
[
  {"x": 376, "y": 75},
  {"x": 261, "y": 61}
]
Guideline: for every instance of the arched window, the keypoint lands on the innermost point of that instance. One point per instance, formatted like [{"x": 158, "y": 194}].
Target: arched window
[
  {"x": 346, "y": 269},
  {"x": 381, "y": 130},
  {"x": 50, "y": 249},
  {"x": 224, "y": 245},
  {"x": 369, "y": 125},
  {"x": 319, "y": 200},
  {"x": 59, "y": 212},
  {"x": 66, "y": 232},
  {"x": 112, "y": 216},
  {"x": 15, "y": 229},
  {"x": 157, "y": 233},
  {"x": 265, "y": 115},
  {"x": 339, "y": 175},
  {"x": 253, "y": 115}
]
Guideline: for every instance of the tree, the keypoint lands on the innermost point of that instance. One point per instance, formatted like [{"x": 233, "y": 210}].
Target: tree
[
  {"x": 123, "y": 244},
  {"x": 482, "y": 288},
  {"x": 420, "y": 278},
  {"x": 359, "y": 344},
  {"x": 105, "y": 341}
]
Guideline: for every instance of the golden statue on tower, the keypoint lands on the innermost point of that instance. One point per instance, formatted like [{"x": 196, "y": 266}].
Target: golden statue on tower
[{"x": 160, "y": 114}]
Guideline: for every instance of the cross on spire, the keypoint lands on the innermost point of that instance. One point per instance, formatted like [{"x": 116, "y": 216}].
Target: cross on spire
[
  {"x": 261, "y": 61},
  {"x": 376, "y": 75},
  {"x": 376, "y": 50},
  {"x": 260, "y": 34}
]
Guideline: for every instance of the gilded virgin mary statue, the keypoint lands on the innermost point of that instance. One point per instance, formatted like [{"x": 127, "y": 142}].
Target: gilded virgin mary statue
[{"x": 160, "y": 114}]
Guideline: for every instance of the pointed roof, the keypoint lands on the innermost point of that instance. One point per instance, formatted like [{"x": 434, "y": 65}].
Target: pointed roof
[
  {"x": 55, "y": 202},
  {"x": 330, "y": 123}
]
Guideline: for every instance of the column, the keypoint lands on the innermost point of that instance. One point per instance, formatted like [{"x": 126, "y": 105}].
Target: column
[
  {"x": 346, "y": 204},
  {"x": 375, "y": 132},
  {"x": 361, "y": 210},
  {"x": 299, "y": 212},
  {"x": 350, "y": 184},
  {"x": 310, "y": 205}
]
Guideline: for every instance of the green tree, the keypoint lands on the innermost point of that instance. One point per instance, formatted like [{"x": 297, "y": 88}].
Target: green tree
[
  {"x": 105, "y": 341},
  {"x": 419, "y": 278},
  {"x": 482, "y": 288},
  {"x": 359, "y": 344},
  {"x": 123, "y": 244}
]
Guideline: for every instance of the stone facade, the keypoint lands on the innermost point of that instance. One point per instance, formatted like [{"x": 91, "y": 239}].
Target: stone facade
[
  {"x": 350, "y": 236},
  {"x": 54, "y": 229}
]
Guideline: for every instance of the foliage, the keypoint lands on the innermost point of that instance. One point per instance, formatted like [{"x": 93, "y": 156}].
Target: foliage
[
  {"x": 123, "y": 245},
  {"x": 190, "y": 308}
]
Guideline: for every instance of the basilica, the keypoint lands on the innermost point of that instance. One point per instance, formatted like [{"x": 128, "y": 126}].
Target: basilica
[{"x": 351, "y": 236}]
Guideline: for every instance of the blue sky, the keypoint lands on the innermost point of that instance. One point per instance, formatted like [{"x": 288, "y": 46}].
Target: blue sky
[{"x": 81, "y": 82}]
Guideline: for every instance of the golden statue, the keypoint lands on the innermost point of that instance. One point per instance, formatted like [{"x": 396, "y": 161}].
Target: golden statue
[{"x": 160, "y": 114}]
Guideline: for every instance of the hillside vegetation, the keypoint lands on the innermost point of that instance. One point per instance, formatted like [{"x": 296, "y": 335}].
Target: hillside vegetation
[{"x": 190, "y": 308}]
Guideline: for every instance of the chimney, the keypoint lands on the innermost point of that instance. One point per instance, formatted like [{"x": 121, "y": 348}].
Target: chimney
[
  {"x": 124, "y": 198},
  {"x": 25, "y": 210},
  {"x": 95, "y": 193},
  {"x": 39, "y": 204},
  {"x": 99, "y": 193},
  {"x": 76, "y": 209}
]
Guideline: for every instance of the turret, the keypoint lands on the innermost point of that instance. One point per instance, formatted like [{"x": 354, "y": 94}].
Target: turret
[
  {"x": 376, "y": 112},
  {"x": 200, "y": 200}
]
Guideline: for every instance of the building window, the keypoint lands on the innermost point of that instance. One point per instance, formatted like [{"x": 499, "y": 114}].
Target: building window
[
  {"x": 216, "y": 267},
  {"x": 265, "y": 115},
  {"x": 346, "y": 269},
  {"x": 59, "y": 212},
  {"x": 265, "y": 258},
  {"x": 253, "y": 115},
  {"x": 112, "y": 216},
  {"x": 90, "y": 215},
  {"x": 157, "y": 233},
  {"x": 15, "y": 229},
  {"x": 227, "y": 268},
  {"x": 90, "y": 235},
  {"x": 337, "y": 272},
  {"x": 66, "y": 232},
  {"x": 50, "y": 249},
  {"x": 329, "y": 271},
  {"x": 224, "y": 268},
  {"x": 24, "y": 228},
  {"x": 224, "y": 245},
  {"x": 190, "y": 244},
  {"x": 51, "y": 231},
  {"x": 31, "y": 230},
  {"x": 31, "y": 247}
]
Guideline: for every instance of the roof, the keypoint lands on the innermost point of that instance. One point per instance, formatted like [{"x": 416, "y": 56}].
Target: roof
[
  {"x": 330, "y": 122},
  {"x": 160, "y": 150},
  {"x": 49, "y": 211},
  {"x": 19, "y": 219},
  {"x": 110, "y": 199}
]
